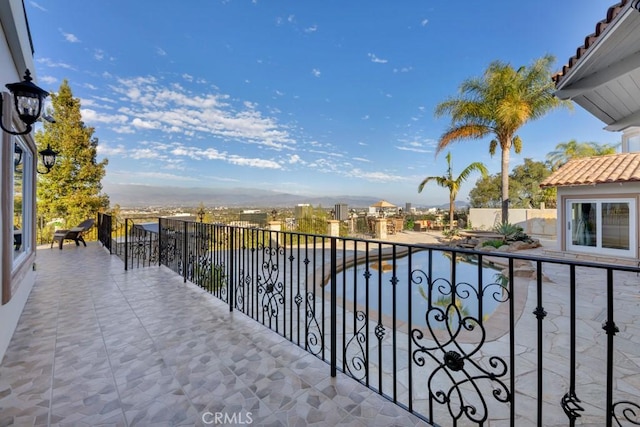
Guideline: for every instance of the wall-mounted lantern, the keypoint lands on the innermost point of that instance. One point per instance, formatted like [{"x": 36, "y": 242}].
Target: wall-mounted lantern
[
  {"x": 48, "y": 158},
  {"x": 28, "y": 100}
]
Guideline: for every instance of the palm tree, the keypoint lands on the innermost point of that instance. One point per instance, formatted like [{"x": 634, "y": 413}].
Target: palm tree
[
  {"x": 566, "y": 151},
  {"x": 453, "y": 184},
  {"x": 499, "y": 103}
]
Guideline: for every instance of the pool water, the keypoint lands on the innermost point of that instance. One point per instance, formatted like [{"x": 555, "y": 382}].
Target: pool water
[{"x": 414, "y": 286}]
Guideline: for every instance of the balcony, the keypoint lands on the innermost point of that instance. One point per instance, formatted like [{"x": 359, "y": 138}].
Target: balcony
[{"x": 242, "y": 325}]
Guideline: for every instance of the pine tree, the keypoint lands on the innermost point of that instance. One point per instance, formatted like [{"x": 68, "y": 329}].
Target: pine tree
[{"x": 73, "y": 189}]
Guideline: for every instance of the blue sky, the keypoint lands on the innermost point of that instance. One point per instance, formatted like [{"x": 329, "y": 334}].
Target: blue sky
[{"x": 332, "y": 97}]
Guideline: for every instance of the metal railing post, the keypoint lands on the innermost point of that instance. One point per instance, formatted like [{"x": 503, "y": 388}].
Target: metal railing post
[
  {"x": 126, "y": 244},
  {"x": 611, "y": 329},
  {"x": 232, "y": 248},
  {"x": 185, "y": 255},
  {"x": 110, "y": 232},
  {"x": 159, "y": 242},
  {"x": 334, "y": 303}
]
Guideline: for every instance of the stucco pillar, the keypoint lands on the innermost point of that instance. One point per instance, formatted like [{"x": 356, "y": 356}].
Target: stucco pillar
[
  {"x": 333, "y": 228},
  {"x": 381, "y": 228}
]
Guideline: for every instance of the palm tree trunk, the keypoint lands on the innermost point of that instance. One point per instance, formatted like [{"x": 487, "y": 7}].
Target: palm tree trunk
[
  {"x": 451, "y": 208},
  {"x": 505, "y": 183}
]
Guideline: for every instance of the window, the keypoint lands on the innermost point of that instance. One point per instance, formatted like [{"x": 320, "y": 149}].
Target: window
[
  {"x": 631, "y": 142},
  {"x": 602, "y": 226},
  {"x": 22, "y": 201}
]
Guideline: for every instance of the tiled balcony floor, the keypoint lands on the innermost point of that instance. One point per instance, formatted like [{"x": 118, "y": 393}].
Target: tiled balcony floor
[{"x": 100, "y": 346}]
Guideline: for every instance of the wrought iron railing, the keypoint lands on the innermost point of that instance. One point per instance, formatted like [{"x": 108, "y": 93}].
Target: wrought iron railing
[
  {"x": 135, "y": 243},
  {"x": 457, "y": 337}
]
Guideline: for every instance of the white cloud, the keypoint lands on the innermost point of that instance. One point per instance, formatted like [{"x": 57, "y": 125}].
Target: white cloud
[
  {"x": 71, "y": 38},
  {"x": 315, "y": 72},
  {"x": 92, "y": 116},
  {"x": 144, "y": 124},
  {"x": 376, "y": 176},
  {"x": 326, "y": 153},
  {"x": 175, "y": 152},
  {"x": 107, "y": 150},
  {"x": 174, "y": 109},
  {"x": 144, "y": 153},
  {"x": 37, "y": 6},
  {"x": 311, "y": 29},
  {"x": 130, "y": 176},
  {"x": 160, "y": 52},
  {"x": 48, "y": 79},
  {"x": 377, "y": 60},
  {"x": 51, "y": 63},
  {"x": 418, "y": 147},
  {"x": 123, "y": 130},
  {"x": 105, "y": 99},
  {"x": 254, "y": 163},
  {"x": 424, "y": 22},
  {"x": 294, "y": 158},
  {"x": 403, "y": 70}
]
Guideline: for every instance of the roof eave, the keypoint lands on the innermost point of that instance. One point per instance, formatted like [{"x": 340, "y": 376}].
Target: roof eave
[{"x": 565, "y": 77}]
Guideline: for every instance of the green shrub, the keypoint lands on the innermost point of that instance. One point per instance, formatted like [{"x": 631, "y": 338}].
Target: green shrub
[
  {"x": 495, "y": 243},
  {"x": 410, "y": 223},
  {"x": 512, "y": 232},
  {"x": 450, "y": 233}
]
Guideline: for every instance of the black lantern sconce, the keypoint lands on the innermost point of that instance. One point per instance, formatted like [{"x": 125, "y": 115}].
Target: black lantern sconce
[
  {"x": 48, "y": 158},
  {"x": 28, "y": 100}
]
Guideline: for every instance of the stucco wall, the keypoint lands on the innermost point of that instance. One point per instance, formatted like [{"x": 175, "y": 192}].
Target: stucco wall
[
  {"x": 534, "y": 222},
  {"x": 17, "y": 278}
]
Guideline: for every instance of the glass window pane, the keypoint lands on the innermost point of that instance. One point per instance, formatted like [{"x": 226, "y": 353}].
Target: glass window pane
[
  {"x": 615, "y": 225},
  {"x": 633, "y": 143},
  {"x": 583, "y": 224},
  {"x": 18, "y": 197}
]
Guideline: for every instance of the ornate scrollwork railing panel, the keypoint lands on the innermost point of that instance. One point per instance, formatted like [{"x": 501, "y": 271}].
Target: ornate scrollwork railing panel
[
  {"x": 355, "y": 358},
  {"x": 270, "y": 287},
  {"x": 459, "y": 379}
]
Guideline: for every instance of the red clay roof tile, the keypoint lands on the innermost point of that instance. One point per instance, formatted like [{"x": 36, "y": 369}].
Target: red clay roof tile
[{"x": 614, "y": 168}]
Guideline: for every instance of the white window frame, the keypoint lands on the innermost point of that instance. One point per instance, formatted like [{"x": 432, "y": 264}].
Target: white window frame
[
  {"x": 598, "y": 249},
  {"x": 27, "y": 206}
]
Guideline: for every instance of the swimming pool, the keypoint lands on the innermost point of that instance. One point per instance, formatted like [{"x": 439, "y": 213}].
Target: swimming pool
[{"x": 372, "y": 285}]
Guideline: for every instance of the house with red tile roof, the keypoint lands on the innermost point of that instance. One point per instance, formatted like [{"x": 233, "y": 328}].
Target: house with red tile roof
[{"x": 599, "y": 197}]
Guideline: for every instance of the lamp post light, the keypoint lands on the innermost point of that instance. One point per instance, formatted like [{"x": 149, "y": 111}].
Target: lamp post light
[
  {"x": 200, "y": 214},
  {"x": 28, "y": 100}
]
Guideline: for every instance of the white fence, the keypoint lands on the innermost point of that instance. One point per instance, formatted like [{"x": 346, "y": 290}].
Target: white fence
[{"x": 534, "y": 222}]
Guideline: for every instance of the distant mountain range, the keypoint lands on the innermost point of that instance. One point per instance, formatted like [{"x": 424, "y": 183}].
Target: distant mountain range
[
  {"x": 135, "y": 196},
  {"x": 143, "y": 196}
]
